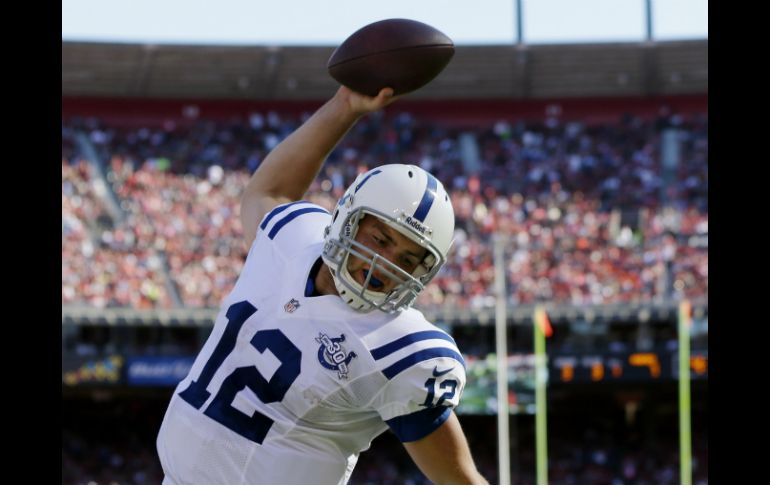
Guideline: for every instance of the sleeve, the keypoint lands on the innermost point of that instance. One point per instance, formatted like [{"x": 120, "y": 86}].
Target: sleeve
[
  {"x": 289, "y": 228},
  {"x": 421, "y": 391}
]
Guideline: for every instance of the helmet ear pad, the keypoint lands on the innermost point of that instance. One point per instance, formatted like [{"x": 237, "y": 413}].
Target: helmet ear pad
[{"x": 425, "y": 265}]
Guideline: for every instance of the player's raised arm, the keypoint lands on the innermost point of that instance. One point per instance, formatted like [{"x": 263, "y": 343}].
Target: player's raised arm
[
  {"x": 289, "y": 169},
  {"x": 444, "y": 457}
]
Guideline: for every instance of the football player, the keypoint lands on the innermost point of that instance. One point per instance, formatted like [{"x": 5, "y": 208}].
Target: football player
[{"x": 317, "y": 350}]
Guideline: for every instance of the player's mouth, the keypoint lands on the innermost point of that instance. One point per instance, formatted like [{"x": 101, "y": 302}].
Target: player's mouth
[{"x": 374, "y": 283}]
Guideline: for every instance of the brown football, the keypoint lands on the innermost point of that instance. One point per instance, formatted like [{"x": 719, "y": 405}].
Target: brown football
[{"x": 398, "y": 53}]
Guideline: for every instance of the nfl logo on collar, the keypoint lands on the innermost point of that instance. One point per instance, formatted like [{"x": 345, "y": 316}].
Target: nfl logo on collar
[{"x": 291, "y": 306}]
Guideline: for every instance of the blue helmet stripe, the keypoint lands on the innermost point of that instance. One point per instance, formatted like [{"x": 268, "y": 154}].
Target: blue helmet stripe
[
  {"x": 367, "y": 178},
  {"x": 278, "y": 225},
  {"x": 417, "y": 357},
  {"x": 406, "y": 340},
  {"x": 427, "y": 199}
]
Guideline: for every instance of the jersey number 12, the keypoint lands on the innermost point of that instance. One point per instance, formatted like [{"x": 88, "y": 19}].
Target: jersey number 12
[{"x": 256, "y": 426}]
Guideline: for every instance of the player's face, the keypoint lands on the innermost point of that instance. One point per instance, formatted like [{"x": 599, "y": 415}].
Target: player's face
[{"x": 388, "y": 243}]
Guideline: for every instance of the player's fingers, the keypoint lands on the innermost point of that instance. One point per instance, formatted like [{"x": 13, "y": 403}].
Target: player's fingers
[{"x": 385, "y": 96}]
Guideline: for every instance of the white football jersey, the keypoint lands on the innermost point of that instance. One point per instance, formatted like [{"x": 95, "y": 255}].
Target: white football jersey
[{"x": 290, "y": 388}]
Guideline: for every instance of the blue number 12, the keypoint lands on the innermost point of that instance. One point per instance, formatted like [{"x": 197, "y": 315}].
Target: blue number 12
[{"x": 256, "y": 426}]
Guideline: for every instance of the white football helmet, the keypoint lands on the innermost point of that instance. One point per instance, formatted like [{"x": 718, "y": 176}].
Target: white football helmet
[{"x": 411, "y": 201}]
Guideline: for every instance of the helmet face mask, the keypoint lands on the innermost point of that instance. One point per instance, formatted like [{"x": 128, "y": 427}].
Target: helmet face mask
[{"x": 389, "y": 194}]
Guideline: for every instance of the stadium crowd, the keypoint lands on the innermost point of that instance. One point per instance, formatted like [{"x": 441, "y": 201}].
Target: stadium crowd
[{"x": 593, "y": 215}]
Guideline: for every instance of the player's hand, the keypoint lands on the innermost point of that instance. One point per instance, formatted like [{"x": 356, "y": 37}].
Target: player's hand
[{"x": 360, "y": 104}]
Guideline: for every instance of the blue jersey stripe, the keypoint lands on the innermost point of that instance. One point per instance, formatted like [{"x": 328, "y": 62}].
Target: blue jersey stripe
[
  {"x": 367, "y": 178},
  {"x": 427, "y": 199},
  {"x": 398, "y": 344},
  {"x": 278, "y": 225},
  {"x": 410, "y": 360},
  {"x": 277, "y": 211},
  {"x": 412, "y": 427}
]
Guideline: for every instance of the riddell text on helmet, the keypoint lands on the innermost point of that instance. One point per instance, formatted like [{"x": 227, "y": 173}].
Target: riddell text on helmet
[{"x": 417, "y": 225}]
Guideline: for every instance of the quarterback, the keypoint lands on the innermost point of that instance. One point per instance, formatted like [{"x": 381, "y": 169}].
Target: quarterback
[{"x": 317, "y": 350}]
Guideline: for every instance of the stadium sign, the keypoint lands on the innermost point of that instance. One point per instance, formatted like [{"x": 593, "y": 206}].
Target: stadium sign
[{"x": 157, "y": 371}]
